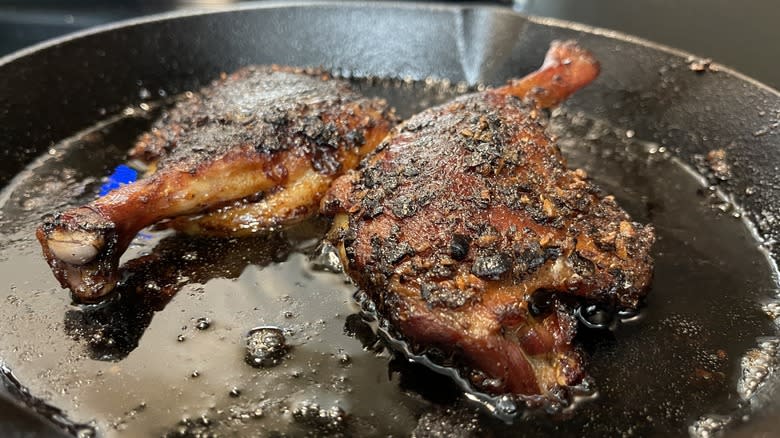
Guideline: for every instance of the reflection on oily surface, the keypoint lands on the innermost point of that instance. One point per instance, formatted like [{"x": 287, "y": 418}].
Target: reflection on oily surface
[
  {"x": 111, "y": 330},
  {"x": 655, "y": 376}
]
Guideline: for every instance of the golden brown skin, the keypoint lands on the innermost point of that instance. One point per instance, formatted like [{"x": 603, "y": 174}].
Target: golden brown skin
[
  {"x": 274, "y": 134},
  {"x": 472, "y": 236}
]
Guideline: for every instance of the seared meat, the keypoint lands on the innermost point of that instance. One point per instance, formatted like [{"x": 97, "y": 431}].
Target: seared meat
[
  {"x": 271, "y": 136},
  {"x": 473, "y": 237}
]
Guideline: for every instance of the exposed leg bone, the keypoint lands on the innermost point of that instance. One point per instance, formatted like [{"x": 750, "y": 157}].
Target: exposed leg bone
[
  {"x": 262, "y": 130},
  {"x": 472, "y": 237}
]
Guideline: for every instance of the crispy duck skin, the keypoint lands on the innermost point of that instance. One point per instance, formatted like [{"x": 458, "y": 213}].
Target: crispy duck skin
[
  {"x": 273, "y": 136},
  {"x": 473, "y": 237}
]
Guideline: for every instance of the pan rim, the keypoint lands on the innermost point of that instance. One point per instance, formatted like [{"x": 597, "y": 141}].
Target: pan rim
[{"x": 280, "y": 4}]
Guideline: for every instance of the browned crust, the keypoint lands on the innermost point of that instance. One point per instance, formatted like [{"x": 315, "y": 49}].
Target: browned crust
[
  {"x": 254, "y": 131},
  {"x": 467, "y": 212}
]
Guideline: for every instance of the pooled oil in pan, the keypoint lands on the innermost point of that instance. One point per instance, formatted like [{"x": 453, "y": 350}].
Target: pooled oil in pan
[{"x": 169, "y": 354}]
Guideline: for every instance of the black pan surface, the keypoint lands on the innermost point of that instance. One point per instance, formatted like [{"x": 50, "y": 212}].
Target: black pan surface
[{"x": 140, "y": 364}]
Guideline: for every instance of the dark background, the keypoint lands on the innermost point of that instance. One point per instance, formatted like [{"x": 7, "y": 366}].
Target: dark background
[{"x": 743, "y": 34}]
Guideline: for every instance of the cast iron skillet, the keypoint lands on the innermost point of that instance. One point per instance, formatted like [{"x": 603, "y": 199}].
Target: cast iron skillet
[{"x": 53, "y": 90}]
